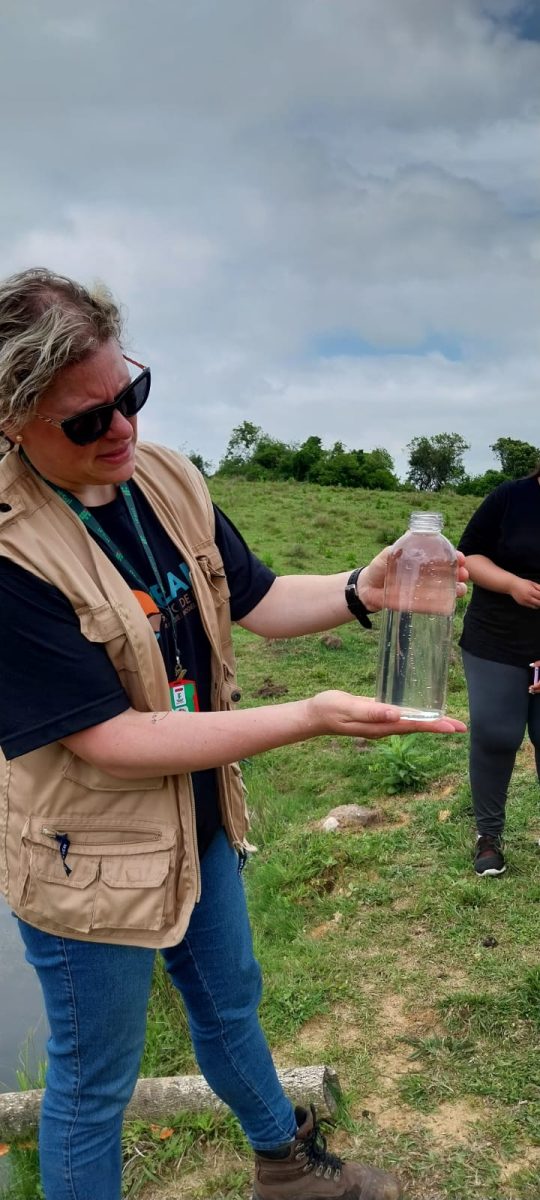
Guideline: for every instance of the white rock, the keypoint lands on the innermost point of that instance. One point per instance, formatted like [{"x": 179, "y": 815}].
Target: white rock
[{"x": 330, "y": 824}]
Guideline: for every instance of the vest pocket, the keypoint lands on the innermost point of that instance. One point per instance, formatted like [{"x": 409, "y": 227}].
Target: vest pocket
[
  {"x": 134, "y": 891},
  {"x": 114, "y": 876}
]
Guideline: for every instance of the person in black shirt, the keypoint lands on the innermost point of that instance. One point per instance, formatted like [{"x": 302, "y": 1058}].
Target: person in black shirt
[
  {"x": 500, "y": 644},
  {"x": 67, "y": 401}
]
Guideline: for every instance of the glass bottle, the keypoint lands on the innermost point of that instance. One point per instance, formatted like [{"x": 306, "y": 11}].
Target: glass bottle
[{"x": 416, "y": 633}]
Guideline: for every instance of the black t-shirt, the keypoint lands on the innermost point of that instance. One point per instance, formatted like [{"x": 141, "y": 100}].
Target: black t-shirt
[
  {"x": 506, "y": 529},
  {"x": 55, "y": 682}
]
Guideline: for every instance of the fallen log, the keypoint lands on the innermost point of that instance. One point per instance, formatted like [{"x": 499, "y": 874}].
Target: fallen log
[{"x": 158, "y": 1099}]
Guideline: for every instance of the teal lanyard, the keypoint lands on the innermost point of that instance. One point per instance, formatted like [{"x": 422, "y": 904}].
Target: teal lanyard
[{"x": 94, "y": 526}]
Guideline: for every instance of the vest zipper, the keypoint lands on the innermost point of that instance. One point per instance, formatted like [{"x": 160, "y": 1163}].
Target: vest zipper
[
  {"x": 95, "y": 840},
  {"x": 194, "y": 838}
]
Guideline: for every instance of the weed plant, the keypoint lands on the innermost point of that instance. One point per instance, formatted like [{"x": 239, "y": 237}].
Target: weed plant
[{"x": 399, "y": 765}]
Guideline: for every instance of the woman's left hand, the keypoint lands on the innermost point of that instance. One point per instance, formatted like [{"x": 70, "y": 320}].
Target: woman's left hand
[{"x": 370, "y": 584}]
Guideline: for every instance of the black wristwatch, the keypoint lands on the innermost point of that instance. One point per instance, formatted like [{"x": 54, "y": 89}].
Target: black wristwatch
[{"x": 354, "y": 604}]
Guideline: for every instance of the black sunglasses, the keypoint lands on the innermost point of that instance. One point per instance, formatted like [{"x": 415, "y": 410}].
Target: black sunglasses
[{"x": 91, "y": 424}]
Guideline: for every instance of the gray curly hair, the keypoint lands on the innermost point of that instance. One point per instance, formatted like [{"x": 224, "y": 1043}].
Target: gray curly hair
[{"x": 47, "y": 322}]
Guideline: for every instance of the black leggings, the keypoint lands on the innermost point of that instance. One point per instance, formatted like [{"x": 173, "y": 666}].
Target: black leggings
[{"x": 501, "y": 709}]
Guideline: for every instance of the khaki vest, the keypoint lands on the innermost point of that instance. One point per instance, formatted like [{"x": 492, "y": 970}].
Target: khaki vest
[{"x": 133, "y": 855}]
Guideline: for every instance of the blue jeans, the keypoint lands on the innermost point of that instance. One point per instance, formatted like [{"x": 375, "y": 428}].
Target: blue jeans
[{"x": 96, "y": 997}]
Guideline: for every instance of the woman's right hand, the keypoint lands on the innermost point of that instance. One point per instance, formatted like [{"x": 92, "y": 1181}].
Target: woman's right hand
[
  {"x": 535, "y": 686},
  {"x": 358, "y": 716},
  {"x": 525, "y": 592}
]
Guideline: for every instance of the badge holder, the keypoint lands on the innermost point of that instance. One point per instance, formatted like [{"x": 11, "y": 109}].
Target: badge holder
[{"x": 183, "y": 693}]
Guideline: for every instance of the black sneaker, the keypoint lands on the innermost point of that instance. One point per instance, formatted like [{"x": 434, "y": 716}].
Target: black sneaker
[{"x": 488, "y": 856}]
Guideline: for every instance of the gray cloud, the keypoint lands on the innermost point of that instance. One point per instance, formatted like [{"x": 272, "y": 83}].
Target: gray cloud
[{"x": 255, "y": 179}]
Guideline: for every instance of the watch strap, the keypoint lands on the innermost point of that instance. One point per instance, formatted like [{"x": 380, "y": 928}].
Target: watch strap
[{"x": 354, "y": 604}]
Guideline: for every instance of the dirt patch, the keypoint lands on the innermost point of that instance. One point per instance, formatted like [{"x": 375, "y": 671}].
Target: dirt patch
[
  {"x": 392, "y": 1066},
  {"x": 393, "y": 1019},
  {"x": 391, "y": 820},
  {"x": 440, "y": 790},
  {"x": 451, "y": 1122},
  {"x": 394, "y": 1061},
  {"x": 449, "y": 1125},
  {"x": 332, "y": 641},
  {"x": 320, "y": 931},
  {"x": 348, "y": 1026},
  {"x": 396, "y": 1021},
  {"x": 454, "y": 980},
  {"x": 342, "y": 1027},
  {"x": 196, "y": 1180},
  {"x": 527, "y": 1162},
  {"x": 270, "y": 689},
  {"x": 357, "y": 955},
  {"x": 315, "y": 1035},
  {"x": 397, "y": 1024},
  {"x": 416, "y": 954}
]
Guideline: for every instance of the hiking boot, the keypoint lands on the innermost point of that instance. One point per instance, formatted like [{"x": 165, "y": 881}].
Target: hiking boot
[
  {"x": 488, "y": 855},
  {"x": 309, "y": 1172}
]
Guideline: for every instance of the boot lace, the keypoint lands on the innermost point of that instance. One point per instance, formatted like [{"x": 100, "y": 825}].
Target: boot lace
[{"x": 313, "y": 1149}]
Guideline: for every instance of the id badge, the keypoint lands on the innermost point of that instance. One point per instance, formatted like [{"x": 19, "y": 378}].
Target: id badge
[{"x": 184, "y": 696}]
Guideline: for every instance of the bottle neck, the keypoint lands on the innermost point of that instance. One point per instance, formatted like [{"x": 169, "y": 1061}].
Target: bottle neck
[{"x": 426, "y": 522}]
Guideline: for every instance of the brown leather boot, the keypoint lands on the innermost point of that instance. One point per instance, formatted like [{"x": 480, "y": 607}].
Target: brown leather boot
[{"x": 310, "y": 1172}]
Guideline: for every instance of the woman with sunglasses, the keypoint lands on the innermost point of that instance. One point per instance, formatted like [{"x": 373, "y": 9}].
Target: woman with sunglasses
[{"x": 123, "y": 819}]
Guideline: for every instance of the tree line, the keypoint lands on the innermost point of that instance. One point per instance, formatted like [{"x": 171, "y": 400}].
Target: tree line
[{"x": 434, "y": 462}]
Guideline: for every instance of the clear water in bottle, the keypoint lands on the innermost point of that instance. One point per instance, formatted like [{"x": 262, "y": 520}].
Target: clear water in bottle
[{"x": 416, "y": 633}]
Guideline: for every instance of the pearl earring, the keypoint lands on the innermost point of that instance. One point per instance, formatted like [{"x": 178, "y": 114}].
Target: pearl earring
[{"x": 18, "y": 439}]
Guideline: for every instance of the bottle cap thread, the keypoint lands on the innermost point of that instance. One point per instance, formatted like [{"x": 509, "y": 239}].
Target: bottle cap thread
[{"x": 426, "y": 522}]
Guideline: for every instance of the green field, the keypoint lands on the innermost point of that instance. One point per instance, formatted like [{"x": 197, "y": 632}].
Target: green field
[{"x": 384, "y": 956}]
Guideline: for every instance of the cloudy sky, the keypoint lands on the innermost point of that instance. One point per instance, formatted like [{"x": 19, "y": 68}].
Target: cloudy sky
[{"x": 320, "y": 215}]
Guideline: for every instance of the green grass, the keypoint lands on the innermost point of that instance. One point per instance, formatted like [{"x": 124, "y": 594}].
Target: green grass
[{"x": 383, "y": 954}]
